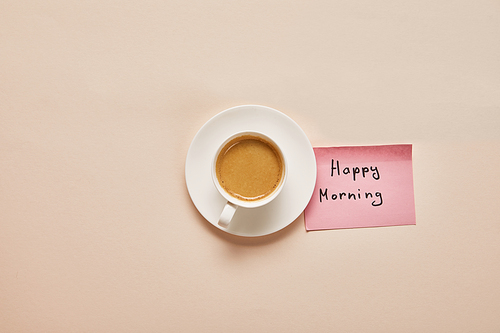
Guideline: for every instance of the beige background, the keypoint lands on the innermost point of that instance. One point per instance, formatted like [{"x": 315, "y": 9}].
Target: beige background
[{"x": 99, "y": 101}]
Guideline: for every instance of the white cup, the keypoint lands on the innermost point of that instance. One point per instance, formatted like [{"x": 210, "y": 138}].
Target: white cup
[{"x": 233, "y": 202}]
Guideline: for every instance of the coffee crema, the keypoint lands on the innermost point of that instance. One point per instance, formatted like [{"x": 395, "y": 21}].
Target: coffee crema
[{"x": 249, "y": 168}]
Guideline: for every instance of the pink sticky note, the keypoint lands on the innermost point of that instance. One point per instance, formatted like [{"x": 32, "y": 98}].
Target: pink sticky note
[{"x": 369, "y": 186}]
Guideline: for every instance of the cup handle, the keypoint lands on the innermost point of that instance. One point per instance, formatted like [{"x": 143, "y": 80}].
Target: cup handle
[{"x": 227, "y": 214}]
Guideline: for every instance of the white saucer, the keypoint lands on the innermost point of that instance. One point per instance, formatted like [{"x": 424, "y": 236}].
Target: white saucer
[{"x": 297, "y": 191}]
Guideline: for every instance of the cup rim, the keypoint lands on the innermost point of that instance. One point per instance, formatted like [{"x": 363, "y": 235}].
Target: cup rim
[{"x": 255, "y": 203}]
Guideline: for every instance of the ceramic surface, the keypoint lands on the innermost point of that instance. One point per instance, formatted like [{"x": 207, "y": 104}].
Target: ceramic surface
[{"x": 295, "y": 145}]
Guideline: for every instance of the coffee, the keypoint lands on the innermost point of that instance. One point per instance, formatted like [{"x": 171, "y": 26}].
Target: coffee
[{"x": 249, "y": 168}]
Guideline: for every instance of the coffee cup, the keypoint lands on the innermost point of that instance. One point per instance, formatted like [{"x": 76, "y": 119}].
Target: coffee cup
[{"x": 249, "y": 170}]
